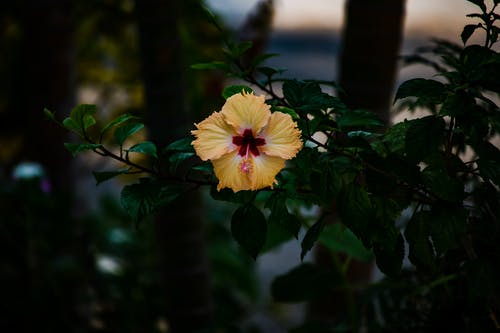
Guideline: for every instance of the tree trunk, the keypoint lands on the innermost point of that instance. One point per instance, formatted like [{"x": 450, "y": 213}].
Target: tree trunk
[
  {"x": 179, "y": 227},
  {"x": 43, "y": 78},
  {"x": 371, "y": 42}
]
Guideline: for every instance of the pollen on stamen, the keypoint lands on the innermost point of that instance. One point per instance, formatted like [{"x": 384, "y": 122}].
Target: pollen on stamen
[{"x": 245, "y": 166}]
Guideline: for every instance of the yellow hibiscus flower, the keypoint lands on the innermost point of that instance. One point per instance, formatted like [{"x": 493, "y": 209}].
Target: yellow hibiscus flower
[{"x": 247, "y": 144}]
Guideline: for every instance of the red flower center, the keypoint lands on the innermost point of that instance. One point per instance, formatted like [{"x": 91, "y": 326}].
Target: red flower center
[{"x": 248, "y": 143}]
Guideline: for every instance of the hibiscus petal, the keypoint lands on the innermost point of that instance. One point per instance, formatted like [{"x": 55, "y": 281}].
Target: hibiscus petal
[
  {"x": 213, "y": 137},
  {"x": 265, "y": 168},
  {"x": 228, "y": 170},
  {"x": 244, "y": 111},
  {"x": 282, "y": 136}
]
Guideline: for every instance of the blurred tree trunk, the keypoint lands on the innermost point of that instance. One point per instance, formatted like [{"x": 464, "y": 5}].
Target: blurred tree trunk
[
  {"x": 43, "y": 77},
  {"x": 40, "y": 74},
  {"x": 179, "y": 227},
  {"x": 371, "y": 42},
  {"x": 368, "y": 65}
]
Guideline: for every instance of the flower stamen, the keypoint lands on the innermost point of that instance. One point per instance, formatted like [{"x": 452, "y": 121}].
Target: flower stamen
[{"x": 248, "y": 143}]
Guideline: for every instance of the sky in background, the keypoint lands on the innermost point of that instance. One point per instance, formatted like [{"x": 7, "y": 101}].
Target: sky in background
[{"x": 439, "y": 18}]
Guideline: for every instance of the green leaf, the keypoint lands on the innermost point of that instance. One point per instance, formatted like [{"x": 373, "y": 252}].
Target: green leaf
[
  {"x": 304, "y": 283},
  {"x": 261, "y": 58},
  {"x": 249, "y": 227},
  {"x": 428, "y": 92},
  {"x": 417, "y": 233},
  {"x": 72, "y": 125},
  {"x": 468, "y": 31},
  {"x": 394, "y": 138},
  {"x": 389, "y": 255},
  {"x": 236, "y": 50},
  {"x": 211, "y": 65},
  {"x": 226, "y": 194},
  {"x": 423, "y": 137},
  {"x": 82, "y": 116},
  {"x": 176, "y": 159},
  {"x": 102, "y": 176},
  {"x": 280, "y": 215},
  {"x": 275, "y": 236},
  {"x": 118, "y": 121},
  {"x": 235, "y": 89},
  {"x": 448, "y": 227},
  {"x": 75, "y": 148},
  {"x": 308, "y": 97},
  {"x": 358, "y": 119},
  {"x": 326, "y": 182},
  {"x": 489, "y": 161},
  {"x": 49, "y": 114},
  {"x": 355, "y": 209},
  {"x": 183, "y": 144},
  {"x": 141, "y": 199},
  {"x": 269, "y": 72},
  {"x": 291, "y": 112},
  {"x": 338, "y": 238},
  {"x": 146, "y": 147},
  {"x": 458, "y": 104},
  {"x": 126, "y": 130},
  {"x": 311, "y": 236},
  {"x": 442, "y": 185}
]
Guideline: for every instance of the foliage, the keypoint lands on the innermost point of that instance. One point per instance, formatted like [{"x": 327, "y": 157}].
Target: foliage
[{"x": 430, "y": 182}]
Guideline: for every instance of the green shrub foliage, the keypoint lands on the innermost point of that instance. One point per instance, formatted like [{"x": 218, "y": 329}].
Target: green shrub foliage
[{"x": 431, "y": 183}]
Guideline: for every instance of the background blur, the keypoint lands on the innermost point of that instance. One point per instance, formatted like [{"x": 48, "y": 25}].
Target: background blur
[{"x": 70, "y": 259}]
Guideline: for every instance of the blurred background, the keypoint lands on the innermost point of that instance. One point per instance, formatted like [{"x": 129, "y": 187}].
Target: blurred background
[{"x": 71, "y": 260}]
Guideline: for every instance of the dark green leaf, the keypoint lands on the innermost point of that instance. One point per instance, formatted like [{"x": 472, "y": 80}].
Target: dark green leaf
[
  {"x": 291, "y": 112},
  {"x": 261, "y": 58},
  {"x": 141, "y": 199},
  {"x": 358, "y": 119},
  {"x": 338, "y": 238},
  {"x": 442, "y": 185},
  {"x": 458, "y": 104},
  {"x": 489, "y": 161},
  {"x": 249, "y": 227},
  {"x": 428, "y": 92},
  {"x": 236, "y": 50},
  {"x": 211, "y": 65},
  {"x": 146, "y": 147},
  {"x": 448, "y": 227},
  {"x": 76, "y": 148},
  {"x": 468, "y": 31},
  {"x": 82, "y": 115},
  {"x": 118, "y": 121},
  {"x": 312, "y": 236},
  {"x": 423, "y": 137},
  {"x": 49, "y": 114},
  {"x": 355, "y": 209},
  {"x": 307, "y": 97},
  {"x": 72, "y": 125},
  {"x": 183, "y": 144},
  {"x": 102, "y": 176},
  {"x": 417, "y": 233},
  {"x": 280, "y": 215},
  {"x": 177, "y": 158},
  {"x": 389, "y": 255},
  {"x": 275, "y": 236},
  {"x": 269, "y": 72},
  {"x": 226, "y": 194},
  {"x": 304, "y": 283},
  {"x": 326, "y": 182},
  {"x": 235, "y": 89},
  {"x": 126, "y": 130}
]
